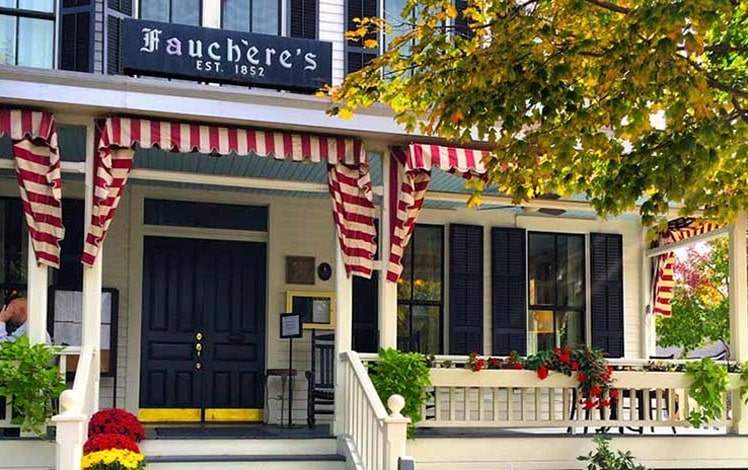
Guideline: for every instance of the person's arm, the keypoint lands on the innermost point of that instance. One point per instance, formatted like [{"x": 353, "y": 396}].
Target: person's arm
[{"x": 4, "y": 317}]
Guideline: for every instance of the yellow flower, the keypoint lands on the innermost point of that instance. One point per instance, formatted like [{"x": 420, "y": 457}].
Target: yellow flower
[{"x": 126, "y": 458}]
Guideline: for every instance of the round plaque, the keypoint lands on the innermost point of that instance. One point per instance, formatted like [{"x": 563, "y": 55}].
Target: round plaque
[{"x": 324, "y": 271}]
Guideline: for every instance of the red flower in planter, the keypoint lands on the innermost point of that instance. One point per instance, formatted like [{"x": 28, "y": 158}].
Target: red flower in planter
[
  {"x": 614, "y": 393},
  {"x": 109, "y": 441},
  {"x": 581, "y": 376},
  {"x": 603, "y": 403},
  {"x": 575, "y": 365},
  {"x": 588, "y": 404},
  {"x": 595, "y": 391},
  {"x": 542, "y": 372},
  {"x": 116, "y": 421}
]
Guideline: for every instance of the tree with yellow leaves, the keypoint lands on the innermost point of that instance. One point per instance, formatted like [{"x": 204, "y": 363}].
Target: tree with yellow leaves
[{"x": 619, "y": 100}]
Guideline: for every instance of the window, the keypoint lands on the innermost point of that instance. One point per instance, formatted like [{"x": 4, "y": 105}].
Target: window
[
  {"x": 420, "y": 292},
  {"x": 187, "y": 12},
  {"x": 257, "y": 16},
  {"x": 357, "y": 56},
  {"x": 27, "y": 33},
  {"x": 556, "y": 287}
]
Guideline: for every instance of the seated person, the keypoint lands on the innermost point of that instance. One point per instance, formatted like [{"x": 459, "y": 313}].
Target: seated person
[{"x": 13, "y": 320}]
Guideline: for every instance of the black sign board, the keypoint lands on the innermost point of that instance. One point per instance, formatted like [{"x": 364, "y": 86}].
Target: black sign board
[{"x": 179, "y": 51}]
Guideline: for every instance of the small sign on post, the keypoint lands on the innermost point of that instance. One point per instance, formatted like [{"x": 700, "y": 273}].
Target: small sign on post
[{"x": 290, "y": 328}]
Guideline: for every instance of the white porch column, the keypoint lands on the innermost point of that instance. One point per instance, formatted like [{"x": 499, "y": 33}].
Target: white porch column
[
  {"x": 387, "y": 290},
  {"x": 739, "y": 312},
  {"x": 37, "y": 281},
  {"x": 343, "y": 331},
  {"x": 648, "y": 330},
  {"x": 91, "y": 318}
]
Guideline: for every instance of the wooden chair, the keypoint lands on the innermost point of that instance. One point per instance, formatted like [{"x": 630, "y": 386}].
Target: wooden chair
[{"x": 321, "y": 377}]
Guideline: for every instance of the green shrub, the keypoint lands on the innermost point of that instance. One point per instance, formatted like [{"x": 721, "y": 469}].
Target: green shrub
[
  {"x": 30, "y": 379},
  {"x": 708, "y": 386},
  {"x": 605, "y": 458},
  {"x": 405, "y": 374}
]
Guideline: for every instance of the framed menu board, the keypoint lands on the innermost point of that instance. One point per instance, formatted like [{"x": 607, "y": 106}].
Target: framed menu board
[{"x": 317, "y": 309}]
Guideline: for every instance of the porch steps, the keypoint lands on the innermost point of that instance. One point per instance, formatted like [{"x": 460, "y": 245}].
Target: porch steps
[{"x": 229, "y": 454}]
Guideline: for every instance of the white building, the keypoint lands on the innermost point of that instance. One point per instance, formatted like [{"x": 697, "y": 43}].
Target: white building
[{"x": 207, "y": 242}]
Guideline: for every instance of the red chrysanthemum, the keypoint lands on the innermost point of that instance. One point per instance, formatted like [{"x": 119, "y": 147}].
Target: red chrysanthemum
[
  {"x": 116, "y": 421},
  {"x": 109, "y": 441}
]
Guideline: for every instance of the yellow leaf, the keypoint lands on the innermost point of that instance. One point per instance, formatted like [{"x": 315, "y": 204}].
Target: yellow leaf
[
  {"x": 451, "y": 11},
  {"x": 345, "y": 113},
  {"x": 370, "y": 44}
]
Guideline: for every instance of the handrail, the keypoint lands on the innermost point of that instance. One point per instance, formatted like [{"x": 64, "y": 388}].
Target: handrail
[
  {"x": 377, "y": 440},
  {"x": 74, "y": 412},
  {"x": 351, "y": 357}
]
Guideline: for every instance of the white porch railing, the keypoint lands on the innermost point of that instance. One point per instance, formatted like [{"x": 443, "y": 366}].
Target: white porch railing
[
  {"x": 73, "y": 418},
  {"x": 519, "y": 399},
  {"x": 6, "y": 422},
  {"x": 378, "y": 440}
]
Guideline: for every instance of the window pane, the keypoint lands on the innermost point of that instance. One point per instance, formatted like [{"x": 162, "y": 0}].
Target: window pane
[
  {"x": 427, "y": 263},
  {"x": 155, "y": 10},
  {"x": 540, "y": 265},
  {"x": 403, "y": 327},
  {"x": 570, "y": 271},
  {"x": 37, "y": 5},
  {"x": 236, "y": 15},
  {"x": 8, "y": 3},
  {"x": 186, "y": 12},
  {"x": 404, "y": 290},
  {"x": 7, "y": 40},
  {"x": 265, "y": 17},
  {"x": 426, "y": 329},
  {"x": 540, "y": 333},
  {"x": 570, "y": 328},
  {"x": 35, "y": 42}
]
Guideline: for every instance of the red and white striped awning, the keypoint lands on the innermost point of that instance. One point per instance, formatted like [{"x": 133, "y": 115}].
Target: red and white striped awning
[
  {"x": 348, "y": 173},
  {"x": 410, "y": 173},
  {"x": 34, "y": 136},
  {"x": 664, "y": 279}
]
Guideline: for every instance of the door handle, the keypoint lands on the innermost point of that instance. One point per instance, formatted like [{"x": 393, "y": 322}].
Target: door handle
[{"x": 235, "y": 338}]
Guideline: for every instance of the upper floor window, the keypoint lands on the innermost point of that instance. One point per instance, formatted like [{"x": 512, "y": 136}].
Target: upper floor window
[
  {"x": 27, "y": 29},
  {"x": 257, "y": 16},
  {"x": 556, "y": 287},
  {"x": 186, "y": 12}
]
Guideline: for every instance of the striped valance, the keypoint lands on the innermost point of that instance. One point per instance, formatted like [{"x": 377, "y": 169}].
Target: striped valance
[
  {"x": 663, "y": 281},
  {"x": 410, "y": 173},
  {"x": 34, "y": 136},
  {"x": 348, "y": 173}
]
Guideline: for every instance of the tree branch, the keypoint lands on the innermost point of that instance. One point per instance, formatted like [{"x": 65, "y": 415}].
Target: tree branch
[{"x": 610, "y": 6}]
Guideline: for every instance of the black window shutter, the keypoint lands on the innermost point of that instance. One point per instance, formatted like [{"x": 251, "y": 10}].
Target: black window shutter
[
  {"x": 304, "y": 18},
  {"x": 113, "y": 41},
  {"x": 465, "y": 289},
  {"x": 509, "y": 290},
  {"x": 606, "y": 264},
  {"x": 461, "y": 23},
  {"x": 366, "y": 314},
  {"x": 121, "y": 6},
  {"x": 116, "y": 10},
  {"x": 76, "y": 35}
]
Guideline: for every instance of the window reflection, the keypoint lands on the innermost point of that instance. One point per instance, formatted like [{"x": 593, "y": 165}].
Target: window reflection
[{"x": 257, "y": 16}]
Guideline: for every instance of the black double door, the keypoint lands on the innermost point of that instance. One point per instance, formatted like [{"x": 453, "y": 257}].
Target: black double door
[{"x": 203, "y": 328}]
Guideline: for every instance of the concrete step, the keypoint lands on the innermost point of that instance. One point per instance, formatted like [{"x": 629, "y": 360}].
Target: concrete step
[
  {"x": 231, "y": 462},
  {"x": 237, "y": 447}
]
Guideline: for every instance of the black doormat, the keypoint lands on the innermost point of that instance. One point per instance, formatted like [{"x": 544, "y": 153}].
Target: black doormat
[{"x": 211, "y": 432}]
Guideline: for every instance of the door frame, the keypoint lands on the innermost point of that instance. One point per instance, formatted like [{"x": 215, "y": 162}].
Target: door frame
[{"x": 139, "y": 230}]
